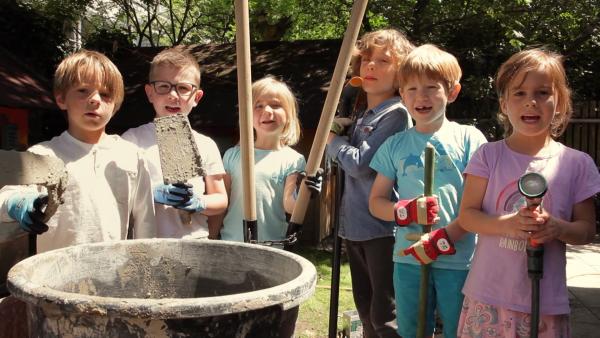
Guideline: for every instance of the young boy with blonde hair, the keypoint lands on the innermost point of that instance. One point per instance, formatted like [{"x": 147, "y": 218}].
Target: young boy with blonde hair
[
  {"x": 429, "y": 81},
  {"x": 369, "y": 241},
  {"x": 108, "y": 194},
  {"x": 174, "y": 87}
]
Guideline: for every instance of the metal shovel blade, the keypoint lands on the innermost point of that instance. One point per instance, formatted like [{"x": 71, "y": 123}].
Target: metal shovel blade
[
  {"x": 179, "y": 156},
  {"x": 25, "y": 168}
]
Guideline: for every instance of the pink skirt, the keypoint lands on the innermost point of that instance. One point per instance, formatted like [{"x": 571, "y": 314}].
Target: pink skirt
[{"x": 480, "y": 320}]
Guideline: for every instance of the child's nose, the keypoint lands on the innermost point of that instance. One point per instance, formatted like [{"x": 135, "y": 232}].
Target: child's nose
[
  {"x": 95, "y": 98},
  {"x": 530, "y": 102},
  {"x": 172, "y": 94}
]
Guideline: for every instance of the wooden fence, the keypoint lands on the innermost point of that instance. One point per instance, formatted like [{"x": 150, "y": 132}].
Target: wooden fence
[{"x": 583, "y": 132}]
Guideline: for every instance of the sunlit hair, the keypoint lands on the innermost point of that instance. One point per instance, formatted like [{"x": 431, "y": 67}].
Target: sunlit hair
[
  {"x": 92, "y": 68},
  {"x": 537, "y": 59},
  {"x": 178, "y": 57},
  {"x": 395, "y": 41},
  {"x": 269, "y": 85},
  {"x": 431, "y": 62}
]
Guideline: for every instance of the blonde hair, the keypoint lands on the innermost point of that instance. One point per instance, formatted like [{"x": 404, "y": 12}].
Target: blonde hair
[
  {"x": 89, "y": 67},
  {"x": 531, "y": 60},
  {"x": 430, "y": 61},
  {"x": 177, "y": 57},
  {"x": 392, "y": 39},
  {"x": 269, "y": 85}
]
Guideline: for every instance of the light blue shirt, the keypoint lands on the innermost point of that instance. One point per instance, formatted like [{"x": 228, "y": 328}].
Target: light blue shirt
[
  {"x": 401, "y": 159},
  {"x": 354, "y": 155},
  {"x": 270, "y": 171}
]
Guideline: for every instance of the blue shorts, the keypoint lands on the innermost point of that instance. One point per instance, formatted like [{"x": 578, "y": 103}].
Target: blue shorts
[{"x": 445, "y": 296}]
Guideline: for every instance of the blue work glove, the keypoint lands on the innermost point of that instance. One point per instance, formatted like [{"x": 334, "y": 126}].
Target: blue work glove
[
  {"x": 195, "y": 204},
  {"x": 28, "y": 209},
  {"x": 313, "y": 183},
  {"x": 172, "y": 194}
]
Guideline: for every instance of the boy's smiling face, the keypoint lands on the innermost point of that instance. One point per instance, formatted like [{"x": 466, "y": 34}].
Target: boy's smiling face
[
  {"x": 172, "y": 102},
  {"x": 89, "y": 108},
  {"x": 426, "y": 99}
]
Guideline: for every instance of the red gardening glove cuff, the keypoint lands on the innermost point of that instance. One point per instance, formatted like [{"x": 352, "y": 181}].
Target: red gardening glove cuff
[
  {"x": 431, "y": 246},
  {"x": 421, "y": 210}
]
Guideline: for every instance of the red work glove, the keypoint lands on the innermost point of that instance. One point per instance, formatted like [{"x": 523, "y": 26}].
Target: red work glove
[
  {"x": 421, "y": 210},
  {"x": 430, "y": 246}
]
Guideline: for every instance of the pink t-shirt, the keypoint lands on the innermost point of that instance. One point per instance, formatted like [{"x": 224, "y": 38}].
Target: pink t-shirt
[{"x": 498, "y": 274}]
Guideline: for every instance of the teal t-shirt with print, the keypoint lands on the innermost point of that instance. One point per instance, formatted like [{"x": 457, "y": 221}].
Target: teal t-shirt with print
[
  {"x": 271, "y": 169},
  {"x": 401, "y": 158}
]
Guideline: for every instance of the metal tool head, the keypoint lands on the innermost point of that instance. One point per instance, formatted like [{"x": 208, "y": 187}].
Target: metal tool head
[
  {"x": 179, "y": 156},
  {"x": 26, "y": 168}
]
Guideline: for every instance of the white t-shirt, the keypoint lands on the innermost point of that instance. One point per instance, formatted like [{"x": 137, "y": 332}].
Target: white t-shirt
[
  {"x": 167, "y": 217},
  {"x": 108, "y": 188}
]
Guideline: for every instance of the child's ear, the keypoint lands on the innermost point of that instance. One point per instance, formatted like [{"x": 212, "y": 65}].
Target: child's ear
[
  {"x": 60, "y": 101},
  {"x": 149, "y": 89},
  {"x": 401, "y": 92},
  {"x": 502, "y": 103},
  {"x": 198, "y": 96},
  {"x": 453, "y": 93}
]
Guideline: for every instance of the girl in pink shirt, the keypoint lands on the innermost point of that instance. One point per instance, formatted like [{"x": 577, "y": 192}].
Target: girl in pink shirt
[{"x": 535, "y": 108}]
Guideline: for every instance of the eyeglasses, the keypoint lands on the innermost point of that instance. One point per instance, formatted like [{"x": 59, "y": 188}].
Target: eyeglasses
[{"x": 182, "y": 88}]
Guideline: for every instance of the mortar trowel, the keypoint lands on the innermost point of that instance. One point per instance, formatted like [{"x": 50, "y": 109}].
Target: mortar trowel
[
  {"x": 26, "y": 168},
  {"x": 179, "y": 156}
]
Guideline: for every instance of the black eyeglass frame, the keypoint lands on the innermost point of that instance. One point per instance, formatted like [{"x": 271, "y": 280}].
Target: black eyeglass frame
[{"x": 174, "y": 85}]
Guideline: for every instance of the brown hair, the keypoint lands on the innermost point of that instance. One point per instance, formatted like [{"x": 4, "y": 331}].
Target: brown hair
[
  {"x": 89, "y": 67},
  {"x": 393, "y": 39},
  {"x": 177, "y": 57},
  {"x": 268, "y": 84},
  {"x": 430, "y": 61},
  {"x": 531, "y": 60}
]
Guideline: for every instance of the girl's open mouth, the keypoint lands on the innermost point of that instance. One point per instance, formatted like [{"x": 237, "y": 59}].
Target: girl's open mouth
[{"x": 530, "y": 118}]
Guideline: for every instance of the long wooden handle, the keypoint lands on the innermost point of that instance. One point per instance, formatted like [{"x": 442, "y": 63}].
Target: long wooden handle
[
  {"x": 244, "y": 78},
  {"x": 331, "y": 102}
]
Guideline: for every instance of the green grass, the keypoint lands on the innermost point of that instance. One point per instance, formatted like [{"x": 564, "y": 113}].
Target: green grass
[{"x": 313, "y": 320}]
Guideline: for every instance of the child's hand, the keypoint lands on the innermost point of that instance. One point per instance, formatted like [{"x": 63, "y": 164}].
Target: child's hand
[
  {"x": 173, "y": 194},
  {"x": 195, "y": 204},
  {"x": 550, "y": 228},
  {"x": 430, "y": 246},
  {"x": 421, "y": 210},
  {"x": 523, "y": 223},
  {"x": 313, "y": 183},
  {"x": 28, "y": 209},
  {"x": 339, "y": 125}
]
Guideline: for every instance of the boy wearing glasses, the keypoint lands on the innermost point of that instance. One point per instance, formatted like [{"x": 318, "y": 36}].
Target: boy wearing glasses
[{"x": 174, "y": 87}]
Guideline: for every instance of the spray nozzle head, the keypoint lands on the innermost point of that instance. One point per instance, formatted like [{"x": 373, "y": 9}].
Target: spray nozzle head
[{"x": 533, "y": 185}]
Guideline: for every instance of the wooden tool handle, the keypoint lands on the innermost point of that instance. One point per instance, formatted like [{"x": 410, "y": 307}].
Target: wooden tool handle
[
  {"x": 331, "y": 102},
  {"x": 244, "y": 78}
]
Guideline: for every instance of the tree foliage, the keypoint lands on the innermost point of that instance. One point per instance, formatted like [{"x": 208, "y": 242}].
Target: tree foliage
[{"x": 481, "y": 33}]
